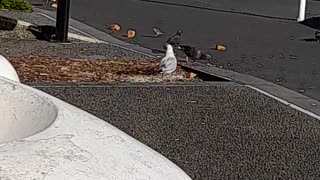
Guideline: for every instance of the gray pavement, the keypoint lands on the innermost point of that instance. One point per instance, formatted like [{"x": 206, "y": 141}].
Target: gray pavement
[
  {"x": 218, "y": 131},
  {"x": 279, "y": 51},
  {"x": 18, "y": 48}
]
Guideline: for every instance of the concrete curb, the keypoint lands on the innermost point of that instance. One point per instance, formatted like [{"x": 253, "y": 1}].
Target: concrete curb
[
  {"x": 295, "y": 100},
  {"x": 289, "y": 97},
  {"x": 71, "y": 35},
  {"x": 97, "y": 34}
]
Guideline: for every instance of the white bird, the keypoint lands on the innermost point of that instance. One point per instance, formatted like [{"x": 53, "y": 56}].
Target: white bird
[
  {"x": 7, "y": 70},
  {"x": 168, "y": 64}
]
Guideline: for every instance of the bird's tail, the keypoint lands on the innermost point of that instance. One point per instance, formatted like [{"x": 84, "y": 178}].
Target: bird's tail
[{"x": 206, "y": 57}]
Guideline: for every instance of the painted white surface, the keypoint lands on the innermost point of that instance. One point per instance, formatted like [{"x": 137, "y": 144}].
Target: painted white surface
[
  {"x": 302, "y": 10},
  {"x": 79, "y": 146},
  {"x": 7, "y": 70},
  {"x": 23, "y": 113}
]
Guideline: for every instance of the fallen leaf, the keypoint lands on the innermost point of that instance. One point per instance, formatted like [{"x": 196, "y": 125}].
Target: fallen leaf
[
  {"x": 190, "y": 76},
  {"x": 54, "y": 5},
  {"x": 131, "y": 34},
  {"x": 114, "y": 27}
]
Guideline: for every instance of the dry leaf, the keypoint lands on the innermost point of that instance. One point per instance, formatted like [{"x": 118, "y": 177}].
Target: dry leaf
[
  {"x": 190, "y": 76},
  {"x": 220, "y": 47},
  {"x": 131, "y": 34},
  {"x": 114, "y": 27},
  {"x": 54, "y": 5}
]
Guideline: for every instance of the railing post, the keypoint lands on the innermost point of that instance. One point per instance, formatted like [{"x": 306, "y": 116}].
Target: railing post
[
  {"x": 62, "y": 20},
  {"x": 302, "y": 10}
]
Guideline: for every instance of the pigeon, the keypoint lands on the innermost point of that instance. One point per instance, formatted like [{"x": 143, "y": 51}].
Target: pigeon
[
  {"x": 194, "y": 53},
  {"x": 157, "y": 32},
  {"x": 206, "y": 57},
  {"x": 317, "y": 35},
  {"x": 190, "y": 52},
  {"x": 168, "y": 64},
  {"x": 175, "y": 40},
  {"x": 43, "y": 32}
]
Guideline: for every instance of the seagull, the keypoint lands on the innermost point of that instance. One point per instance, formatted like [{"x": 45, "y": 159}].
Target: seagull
[
  {"x": 168, "y": 64},
  {"x": 157, "y": 32},
  {"x": 175, "y": 40},
  {"x": 317, "y": 35}
]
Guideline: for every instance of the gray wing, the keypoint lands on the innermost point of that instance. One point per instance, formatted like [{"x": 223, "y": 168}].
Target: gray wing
[{"x": 169, "y": 65}]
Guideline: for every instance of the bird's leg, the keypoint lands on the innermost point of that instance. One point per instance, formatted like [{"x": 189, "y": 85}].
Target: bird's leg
[
  {"x": 179, "y": 70},
  {"x": 187, "y": 60}
]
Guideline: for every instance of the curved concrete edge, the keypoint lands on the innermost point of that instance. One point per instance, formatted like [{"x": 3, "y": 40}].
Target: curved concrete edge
[
  {"x": 79, "y": 145},
  {"x": 286, "y": 96},
  {"x": 7, "y": 70},
  {"x": 23, "y": 113}
]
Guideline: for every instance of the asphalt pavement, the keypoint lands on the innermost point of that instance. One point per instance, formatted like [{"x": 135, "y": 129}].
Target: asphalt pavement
[
  {"x": 217, "y": 131},
  {"x": 266, "y": 43}
]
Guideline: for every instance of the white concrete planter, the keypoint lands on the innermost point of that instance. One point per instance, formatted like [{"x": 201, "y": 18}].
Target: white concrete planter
[
  {"x": 68, "y": 143},
  {"x": 7, "y": 70}
]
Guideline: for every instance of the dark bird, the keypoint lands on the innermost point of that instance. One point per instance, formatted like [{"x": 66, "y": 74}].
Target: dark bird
[
  {"x": 193, "y": 53},
  {"x": 190, "y": 52},
  {"x": 43, "y": 32},
  {"x": 175, "y": 40},
  {"x": 206, "y": 57},
  {"x": 317, "y": 35}
]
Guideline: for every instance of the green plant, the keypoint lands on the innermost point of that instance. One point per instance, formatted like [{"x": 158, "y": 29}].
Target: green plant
[{"x": 19, "y": 5}]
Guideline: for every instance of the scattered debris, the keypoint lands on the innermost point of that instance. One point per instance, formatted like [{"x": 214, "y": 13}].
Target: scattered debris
[
  {"x": 131, "y": 34},
  {"x": 114, "y": 27},
  {"x": 220, "y": 48},
  {"x": 54, "y": 5},
  {"x": 190, "y": 76}
]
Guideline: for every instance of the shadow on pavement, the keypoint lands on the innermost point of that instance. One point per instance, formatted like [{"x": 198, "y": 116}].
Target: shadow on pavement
[
  {"x": 313, "y": 22},
  {"x": 309, "y": 40}
]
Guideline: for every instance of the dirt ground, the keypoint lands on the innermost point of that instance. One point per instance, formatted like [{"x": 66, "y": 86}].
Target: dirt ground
[{"x": 41, "y": 69}]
